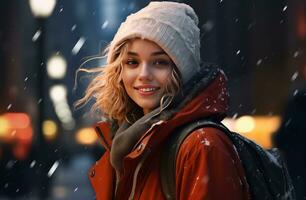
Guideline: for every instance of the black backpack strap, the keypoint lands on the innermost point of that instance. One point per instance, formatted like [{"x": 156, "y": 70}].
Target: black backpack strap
[{"x": 171, "y": 148}]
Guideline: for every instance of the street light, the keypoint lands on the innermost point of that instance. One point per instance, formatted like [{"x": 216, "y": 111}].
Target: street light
[
  {"x": 57, "y": 67},
  {"x": 41, "y": 9}
]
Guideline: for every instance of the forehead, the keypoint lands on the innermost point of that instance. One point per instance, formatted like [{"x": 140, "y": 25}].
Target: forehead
[{"x": 144, "y": 45}]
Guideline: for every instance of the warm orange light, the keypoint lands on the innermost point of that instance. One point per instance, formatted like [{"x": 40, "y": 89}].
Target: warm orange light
[
  {"x": 86, "y": 136},
  {"x": 258, "y": 128},
  {"x": 49, "y": 129},
  {"x": 4, "y": 126},
  {"x": 24, "y": 135},
  {"x": 16, "y": 127},
  {"x": 245, "y": 124},
  {"x": 18, "y": 120}
]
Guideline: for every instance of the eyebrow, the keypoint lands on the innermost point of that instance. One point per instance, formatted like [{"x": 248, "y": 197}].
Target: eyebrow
[{"x": 152, "y": 54}]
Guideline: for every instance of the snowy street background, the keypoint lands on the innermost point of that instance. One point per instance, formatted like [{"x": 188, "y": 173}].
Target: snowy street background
[{"x": 47, "y": 146}]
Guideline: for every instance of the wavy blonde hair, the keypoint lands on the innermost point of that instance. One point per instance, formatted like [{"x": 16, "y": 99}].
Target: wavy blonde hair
[{"x": 108, "y": 90}]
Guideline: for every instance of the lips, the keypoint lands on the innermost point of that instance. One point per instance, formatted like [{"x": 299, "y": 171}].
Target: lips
[{"x": 146, "y": 89}]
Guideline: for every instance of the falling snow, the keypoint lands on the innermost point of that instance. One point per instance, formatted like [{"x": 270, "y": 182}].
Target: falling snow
[
  {"x": 294, "y": 76},
  {"x": 104, "y": 25},
  {"x": 238, "y": 52},
  {"x": 9, "y": 106},
  {"x": 205, "y": 142},
  {"x": 259, "y": 62},
  {"x": 53, "y": 168},
  {"x": 10, "y": 164},
  {"x": 296, "y": 54},
  {"x": 36, "y": 35},
  {"x": 285, "y": 8},
  {"x": 251, "y": 25},
  {"x": 32, "y": 163},
  {"x": 235, "y": 116},
  {"x": 78, "y": 46},
  {"x": 73, "y": 28},
  {"x": 295, "y": 92}
]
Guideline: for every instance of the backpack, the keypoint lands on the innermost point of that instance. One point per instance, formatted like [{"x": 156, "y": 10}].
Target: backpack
[{"x": 265, "y": 171}]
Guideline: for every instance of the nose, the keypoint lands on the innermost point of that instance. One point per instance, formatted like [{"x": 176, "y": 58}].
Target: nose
[{"x": 145, "y": 73}]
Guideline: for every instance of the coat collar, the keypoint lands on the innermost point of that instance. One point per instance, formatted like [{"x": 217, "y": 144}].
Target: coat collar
[{"x": 103, "y": 131}]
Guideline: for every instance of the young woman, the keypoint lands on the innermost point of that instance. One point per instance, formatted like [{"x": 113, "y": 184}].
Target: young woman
[{"x": 153, "y": 83}]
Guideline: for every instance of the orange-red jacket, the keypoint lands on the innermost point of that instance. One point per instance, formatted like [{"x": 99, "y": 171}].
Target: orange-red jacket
[{"x": 207, "y": 165}]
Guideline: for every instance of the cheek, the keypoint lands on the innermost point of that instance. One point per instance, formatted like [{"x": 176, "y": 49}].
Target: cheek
[
  {"x": 127, "y": 79},
  {"x": 164, "y": 78}
]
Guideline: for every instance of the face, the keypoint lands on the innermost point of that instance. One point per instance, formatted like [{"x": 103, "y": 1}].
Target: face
[{"x": 145, "y": 74}]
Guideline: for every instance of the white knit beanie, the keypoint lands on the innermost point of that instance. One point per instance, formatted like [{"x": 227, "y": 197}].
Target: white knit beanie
[{"x": 171, "y": 25}]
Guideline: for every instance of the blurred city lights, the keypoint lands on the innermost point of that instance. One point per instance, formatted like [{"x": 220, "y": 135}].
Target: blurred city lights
[
  {"x": 86, "y": 136},
  {"x": 24, "y": 135},
  {"x": 56, "y": 67},
  {"x": 265, "y": 126},
  {"x": 256, "y": 128},
  {"x": 49, "y": 129},
  {"x": 18, "y": 120},
  {"x": 42, "y": 8},
  {"x": 15, "y": 128},
  {"x": 58, "y": 93},
  {"x": 12, "y": 123},
  {"x": 4, "y": 126},
  {"x": 245, "y": 124}
]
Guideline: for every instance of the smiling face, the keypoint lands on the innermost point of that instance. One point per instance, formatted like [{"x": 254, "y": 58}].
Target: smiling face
[{"x": 145, "y": 74}]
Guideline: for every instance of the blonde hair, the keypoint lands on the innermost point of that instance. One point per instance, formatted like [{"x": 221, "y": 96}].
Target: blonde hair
[{"x": 108, "y": 90}]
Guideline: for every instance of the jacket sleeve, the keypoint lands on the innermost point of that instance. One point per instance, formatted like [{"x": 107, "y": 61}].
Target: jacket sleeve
[{"x": 206, "y": 168}]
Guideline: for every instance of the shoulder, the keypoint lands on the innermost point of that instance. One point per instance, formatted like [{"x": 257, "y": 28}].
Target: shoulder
[
  {"x": 208, "y": 137},
  {"x": 204, "y": 141}
]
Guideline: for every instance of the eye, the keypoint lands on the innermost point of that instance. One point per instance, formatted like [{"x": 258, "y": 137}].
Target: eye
[
  {"x": 131, "y": 62},
  {"x": 161, "y": 62}
]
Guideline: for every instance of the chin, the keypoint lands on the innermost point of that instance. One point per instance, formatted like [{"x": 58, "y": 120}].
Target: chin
[{"x": 147, "y": 106}]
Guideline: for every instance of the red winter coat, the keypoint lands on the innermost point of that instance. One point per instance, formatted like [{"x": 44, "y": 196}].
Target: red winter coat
[{"x": 207, "y": 165}]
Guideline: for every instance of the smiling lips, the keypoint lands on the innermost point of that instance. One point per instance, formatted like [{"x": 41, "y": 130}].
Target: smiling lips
[{"x": 147, "y": 89}]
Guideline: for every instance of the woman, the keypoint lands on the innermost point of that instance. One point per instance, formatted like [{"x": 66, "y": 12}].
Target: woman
[{"x": 152, "y": 84}]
